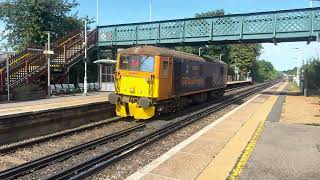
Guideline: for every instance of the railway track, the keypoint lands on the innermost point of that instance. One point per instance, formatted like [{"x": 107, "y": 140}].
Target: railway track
[
  {"x": 27, "y": 143},
  {"x": 23, "y": 144},
  {"x": 60, "y": 156},
  {"x": 100, "y": 162}
]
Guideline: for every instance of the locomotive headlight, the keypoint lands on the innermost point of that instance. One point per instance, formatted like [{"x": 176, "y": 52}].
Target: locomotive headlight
[
  {"x": 113, "y": 98},
  {"x": 144, "y": 102}
]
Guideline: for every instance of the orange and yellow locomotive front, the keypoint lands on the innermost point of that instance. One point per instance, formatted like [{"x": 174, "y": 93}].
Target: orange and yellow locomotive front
[{"x": 136, "y": 85}]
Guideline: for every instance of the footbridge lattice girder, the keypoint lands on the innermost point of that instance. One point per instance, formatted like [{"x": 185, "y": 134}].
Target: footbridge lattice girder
[{"x": 273, "y": 26}]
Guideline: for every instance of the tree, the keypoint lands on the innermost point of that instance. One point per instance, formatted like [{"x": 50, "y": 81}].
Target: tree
[
  {"x": 312, "y": 68},
  {"x": 291, "y": 71},
  {"x": 218, "y": 12},
  {"x": 241, "y": 55},
  {"x": 27, "y": 20},
  {"x": 263, "y": 70}
]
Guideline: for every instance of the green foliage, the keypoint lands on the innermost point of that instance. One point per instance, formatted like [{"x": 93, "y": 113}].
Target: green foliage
[
  {"x": 291, "y": 71},
  {"x": 218, "y": 12},
  {"x": 244, "y": 56},
  {"x": 27, "y": 20},
  {"x": 263, "y": 70},
  {"x": 313, "y": 71},
  {"x": 26, "y": 88},
  {"x": 241, "y": 55}
]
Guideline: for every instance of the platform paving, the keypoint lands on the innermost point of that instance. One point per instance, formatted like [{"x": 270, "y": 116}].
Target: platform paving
[
  {"x": 289, "y": 146},
  {"x": 12, "y": 108},
  {"x": 285, "y": 151},
  {"x": 213, "y": 151}
]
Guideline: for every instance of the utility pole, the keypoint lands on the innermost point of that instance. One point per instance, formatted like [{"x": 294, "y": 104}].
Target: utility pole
[
  {"x": 49, "y": 59},
  {"x": 8, "y": 75},
  {"x": 6, "y": 53},
  {"x": 48, "y": 52},
  {"x": 85, "y": 60}
]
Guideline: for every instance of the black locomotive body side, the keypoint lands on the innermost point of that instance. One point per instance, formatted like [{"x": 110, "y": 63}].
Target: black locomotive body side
[{"x": 191, "y": 76}]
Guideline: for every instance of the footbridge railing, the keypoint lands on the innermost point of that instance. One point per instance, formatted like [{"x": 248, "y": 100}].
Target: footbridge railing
[{"x": 273, "y": 26}]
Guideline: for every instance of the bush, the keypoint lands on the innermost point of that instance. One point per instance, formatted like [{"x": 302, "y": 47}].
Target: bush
[
  {"x": 28, "y": 92},
  {"x": 263, "y": 71},
  {"x": 313, "y": 73},
  {"x": 26, "y": 88}
]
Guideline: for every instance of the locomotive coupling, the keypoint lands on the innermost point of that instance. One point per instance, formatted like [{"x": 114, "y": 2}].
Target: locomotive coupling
[
  {"x": 144, "y": 102},
  {"x": 113, "y": 98}
]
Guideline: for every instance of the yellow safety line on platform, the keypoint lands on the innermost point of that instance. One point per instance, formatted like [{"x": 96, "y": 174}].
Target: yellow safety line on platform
[
  {"x": 224, "y": 163},
  {"x": 246, "y": 154}
]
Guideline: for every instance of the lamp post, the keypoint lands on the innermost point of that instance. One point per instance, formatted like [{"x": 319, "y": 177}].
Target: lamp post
[
  {"x": 48, "y": 52},
  {"x": 298, "y": 71},
  {"x": 6, "y": 53},
  {"x": 150, "y": 10},
  {"x": 97, "y": 12},
  {"x": 297, "y": 79},
  {"x": 8, "y": 78},
  {"x": 85, "y": 60}
]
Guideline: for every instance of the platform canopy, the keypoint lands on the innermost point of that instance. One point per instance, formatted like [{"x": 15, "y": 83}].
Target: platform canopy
[{"x": 105, "y": 61}]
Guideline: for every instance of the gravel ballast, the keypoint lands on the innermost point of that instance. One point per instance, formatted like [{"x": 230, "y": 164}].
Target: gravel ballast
[
  {"x": 124, "y": 167},
  {"x": 131, "y": 164},
  {"x": 56, "y": 145}
]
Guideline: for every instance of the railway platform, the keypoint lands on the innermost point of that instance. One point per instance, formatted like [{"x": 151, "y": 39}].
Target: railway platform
[
  {"x": 236, "y": 84},
  {"x": 221, "y": 150},
  {"x": 57, "y": 102},
  {"x": 22, "y": 120}
]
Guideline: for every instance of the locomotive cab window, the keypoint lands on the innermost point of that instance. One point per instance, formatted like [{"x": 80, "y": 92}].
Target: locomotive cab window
[{"x": 137, "y": 63}]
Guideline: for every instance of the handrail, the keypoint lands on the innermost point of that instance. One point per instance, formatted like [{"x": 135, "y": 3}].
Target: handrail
[{"x": 25, "y": 65}]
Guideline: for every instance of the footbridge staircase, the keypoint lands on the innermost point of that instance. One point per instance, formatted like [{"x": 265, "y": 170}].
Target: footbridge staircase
[{"x": 28, "y": 65}]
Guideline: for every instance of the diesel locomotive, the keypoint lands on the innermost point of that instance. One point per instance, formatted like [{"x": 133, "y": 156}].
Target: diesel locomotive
[{"x": 150, "y": 80}]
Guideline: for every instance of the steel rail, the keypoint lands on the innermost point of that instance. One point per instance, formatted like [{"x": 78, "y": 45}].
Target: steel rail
[
  {"x": 61, "y": 155},
  {"x": 96, "y": 164},
  {"x": 15, "y": 146}
]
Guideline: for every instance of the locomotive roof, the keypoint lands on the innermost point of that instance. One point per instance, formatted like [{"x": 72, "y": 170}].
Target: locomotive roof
[{"x": 162, "y": 51}]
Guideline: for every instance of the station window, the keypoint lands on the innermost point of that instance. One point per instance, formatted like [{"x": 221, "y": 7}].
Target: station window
[{"x": 107, "y": 73}]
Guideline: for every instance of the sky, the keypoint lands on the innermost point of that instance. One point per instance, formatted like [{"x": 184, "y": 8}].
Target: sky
[{"x": 129, "y": 11}]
